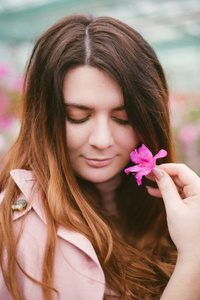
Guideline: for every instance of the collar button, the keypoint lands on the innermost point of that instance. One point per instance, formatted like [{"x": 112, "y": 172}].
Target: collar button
[{"x": 19, "y": 205}]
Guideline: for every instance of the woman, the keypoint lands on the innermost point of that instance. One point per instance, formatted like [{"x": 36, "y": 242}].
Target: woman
[{"x": 95, "y": 91}]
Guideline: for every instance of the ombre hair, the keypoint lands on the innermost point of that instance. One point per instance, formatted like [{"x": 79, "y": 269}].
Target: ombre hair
[{"x": 138, "y": 257}]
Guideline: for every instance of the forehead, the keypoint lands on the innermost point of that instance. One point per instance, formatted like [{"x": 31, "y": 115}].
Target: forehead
[{"x": 90, "y": 86}]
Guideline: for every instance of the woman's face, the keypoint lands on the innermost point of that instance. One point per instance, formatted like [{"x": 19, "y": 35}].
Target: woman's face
[{"x": 99, "y": 137}]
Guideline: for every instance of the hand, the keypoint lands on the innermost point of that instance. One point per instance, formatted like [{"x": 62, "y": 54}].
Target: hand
[{"x": 183, "y": 211}]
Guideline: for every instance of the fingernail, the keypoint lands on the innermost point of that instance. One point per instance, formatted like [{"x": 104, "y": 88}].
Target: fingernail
[{"x": 158, "y": 173}]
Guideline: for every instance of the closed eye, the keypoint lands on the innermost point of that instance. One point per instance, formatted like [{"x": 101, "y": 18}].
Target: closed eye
[
  {"x": 77, "y": 114},
  {"x": 120, "y": 116},
  {"x": 121, "y": 121},
  {"x": 78, "y": 121}
]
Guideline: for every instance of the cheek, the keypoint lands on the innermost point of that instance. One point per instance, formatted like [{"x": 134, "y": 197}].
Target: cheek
[
  {"x": 75, "y": 137},
  {"x": 127, "y": 139}
]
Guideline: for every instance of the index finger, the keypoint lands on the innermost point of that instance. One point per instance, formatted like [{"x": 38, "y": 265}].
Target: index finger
[{"x": 189, "y": 179}]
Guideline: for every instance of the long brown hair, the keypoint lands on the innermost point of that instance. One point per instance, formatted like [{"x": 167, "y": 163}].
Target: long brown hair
[{"x": 137, "y": 258}]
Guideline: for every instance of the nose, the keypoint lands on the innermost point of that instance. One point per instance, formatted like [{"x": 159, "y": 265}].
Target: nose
[{"x": 101, "y": 136}]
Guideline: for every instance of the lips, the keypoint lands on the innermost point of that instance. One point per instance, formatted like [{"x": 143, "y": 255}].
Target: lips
[{"x": 99, "y": 163}]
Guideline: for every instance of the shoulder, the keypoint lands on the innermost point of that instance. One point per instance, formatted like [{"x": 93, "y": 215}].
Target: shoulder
[
  {"x": 75, "y": 257},
  {"x": 34, "y": 211}
]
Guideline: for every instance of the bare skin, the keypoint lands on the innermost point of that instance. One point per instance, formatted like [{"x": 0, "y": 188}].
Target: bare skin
[{"x": 183, "y": 217}]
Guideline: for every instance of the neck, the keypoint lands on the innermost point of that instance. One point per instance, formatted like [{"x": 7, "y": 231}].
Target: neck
[{"x": 107, "y": 190}]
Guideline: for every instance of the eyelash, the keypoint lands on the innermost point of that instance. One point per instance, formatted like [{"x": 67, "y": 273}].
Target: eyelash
[
  {"x": 73, "y": 121},
  {"x": 121, "y": 121}
]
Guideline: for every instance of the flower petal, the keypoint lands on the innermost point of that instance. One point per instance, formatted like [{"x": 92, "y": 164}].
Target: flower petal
[
  {"x": 152, "y": 164},
  {"x": 135, "y": 157},
  {"x": 137, "y": 168},
  {"x": 145, "y": 171},
  {"x": 139, "y": 178},
  {"x": 162, "y": 153},
  {"x": 128, "y": 170},
  {"x": 144, "y": 153},
  {"x": 140, "y": 174},
  {"x": 145, "y": 162}
]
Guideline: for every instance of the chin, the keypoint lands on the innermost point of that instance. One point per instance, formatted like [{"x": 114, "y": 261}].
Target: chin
[{"x": 98, "y": 178}]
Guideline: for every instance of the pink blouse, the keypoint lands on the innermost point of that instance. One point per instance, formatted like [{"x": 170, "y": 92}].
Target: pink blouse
[{"x": 77, "y": 271}]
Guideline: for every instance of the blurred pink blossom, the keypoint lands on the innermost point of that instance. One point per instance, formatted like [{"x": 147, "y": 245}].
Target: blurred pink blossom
[
  {"x": 18, "y": 83},
  {"x": 6, "y": 123},
  {"x": 188, "y": 134},
  {"x": 5, "y": 70}
]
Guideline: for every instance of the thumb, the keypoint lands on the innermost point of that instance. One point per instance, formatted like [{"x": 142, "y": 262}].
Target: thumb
[{"x": 167, "y": 188}]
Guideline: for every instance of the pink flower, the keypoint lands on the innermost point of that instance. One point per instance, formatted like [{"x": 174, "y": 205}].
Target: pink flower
[
  {"x": 188, "y": 134},
  {"x": 18, "y": 83},
  {"x": 6, "y": 123},
  {"x": 145, "y": 160},
  {"x": 4, "y": 70}
]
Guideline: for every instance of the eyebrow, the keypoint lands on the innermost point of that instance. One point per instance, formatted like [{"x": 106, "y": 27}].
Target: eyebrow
[
  {"x": 122, "y": 107},
  {"x": 119, "y": 108},
  {"x": 77, "y": 106}
]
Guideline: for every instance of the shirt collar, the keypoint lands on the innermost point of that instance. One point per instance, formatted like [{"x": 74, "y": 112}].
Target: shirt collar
[{"x": 27, "y": 183}]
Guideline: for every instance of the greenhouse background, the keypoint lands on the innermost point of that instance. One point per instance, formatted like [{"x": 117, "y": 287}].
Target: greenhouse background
[{"x": 172, "y": 27}]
